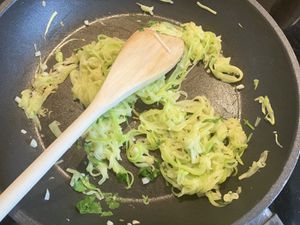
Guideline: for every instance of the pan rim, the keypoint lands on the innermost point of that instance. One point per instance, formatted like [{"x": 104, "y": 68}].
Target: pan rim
[
  {"x": 5, "y": 5},
  {"x": 291, "y": 162}
]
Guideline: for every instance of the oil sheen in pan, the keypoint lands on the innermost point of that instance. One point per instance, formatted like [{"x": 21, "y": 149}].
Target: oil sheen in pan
[{"x": 224, "y": 98}]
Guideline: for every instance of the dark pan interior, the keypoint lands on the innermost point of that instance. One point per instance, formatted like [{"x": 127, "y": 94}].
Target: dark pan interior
[{"x": 256, "y": 48}]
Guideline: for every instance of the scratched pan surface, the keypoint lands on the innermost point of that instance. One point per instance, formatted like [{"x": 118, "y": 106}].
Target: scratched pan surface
[{"x": 259, "y": 48}]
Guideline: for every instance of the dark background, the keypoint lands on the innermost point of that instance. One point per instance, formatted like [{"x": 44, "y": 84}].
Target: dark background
[{"x": 287, "y": 14}]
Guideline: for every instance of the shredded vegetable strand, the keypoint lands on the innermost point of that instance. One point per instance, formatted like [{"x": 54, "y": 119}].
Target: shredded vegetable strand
[
  {"x": 256, "y": 165},
  {"x": 266, "y": 108},
  {"x": 52, "y": 17},
  {"x": 207, "y": 8}
]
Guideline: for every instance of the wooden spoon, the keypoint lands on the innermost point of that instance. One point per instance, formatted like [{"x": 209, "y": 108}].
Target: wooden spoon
[{"x": 145, "y": 57}]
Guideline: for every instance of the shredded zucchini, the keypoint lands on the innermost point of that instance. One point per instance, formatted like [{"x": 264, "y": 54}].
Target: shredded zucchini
[
  {"x": 256, "y": 165},
  {"x": 247, "y": 123},
  {"x": 249, "y": 137},
  {"x": 146, "y": 9},
  {"x": 95, "y": 60},
  {"x": 199, "y": 149},
  {"x": 146, "y": 199},
  {"x": 257, "y": 121},
  {"x": 80, "y": 183},
  {"x": 216, "y": 199},
  {"x": 52, "y": 17},
  {"x": 44, "y": 84},
  {"x": 59, "y": 57},
  {"x": 230, "y": 196},
  {"x": 255, "y": 83},
  {"x": 54, "y": 127},
  {"x": 276, "y": 139},
  {"x": 207, "y": 8},
  {"x": 167, "y": 1},
  {"x": 203, "y": 46},
  {"x": 138, "y": 154},
  {"x": 266, "y": 108}
]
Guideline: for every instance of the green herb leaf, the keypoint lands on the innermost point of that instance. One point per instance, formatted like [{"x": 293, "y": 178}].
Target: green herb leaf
[
  {"x": 89, "y": 205},
  {"x": 149, "y": 172},
  {"x": 112, "y": 201},
  {"x": 246, "y": 122},
  {"x": 123, "y": 177},
  {"x": 107, "y": 213}
]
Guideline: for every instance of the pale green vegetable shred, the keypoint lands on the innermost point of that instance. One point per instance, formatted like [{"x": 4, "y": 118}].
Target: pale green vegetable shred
[
  {"x": 215, "y": 197},
  {"x": 44, "y": 84},
  {"x": 249, "y": 137},
  {"x": 59, "y": 57},
  {"x": 276, "y": 139},
  {"x": 167, "y": 1},
  {"x": 207, "y": 8},
  {"x": 255, "y": 83},
  {"x": 52, "y": 17},
  {"x": 256, "y": 165},
  {"x": 230, "y": 196},
  {"x": 146, "y": 199},
  {"x": 257, "y": 121},
  {"x": 266, "y": 108},
  {"x": 54, "y": 127},
  {"x": 146, "y": 9},
  {"x": 199, "y": 149},
  {"x": 247, "y": 123}
]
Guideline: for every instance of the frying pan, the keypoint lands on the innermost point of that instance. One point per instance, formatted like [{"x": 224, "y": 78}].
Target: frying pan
[{"x": 259, "y": 49}]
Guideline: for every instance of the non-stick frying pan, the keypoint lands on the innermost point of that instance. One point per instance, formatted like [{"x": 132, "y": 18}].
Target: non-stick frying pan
[{"x": 259, "y": 48}]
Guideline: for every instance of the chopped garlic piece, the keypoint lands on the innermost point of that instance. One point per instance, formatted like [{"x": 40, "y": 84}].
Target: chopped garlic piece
[
  {"x": 17, "y": 99},
  {"x": 109, "y": 222},
  {"x": 59, "y": 162},
  {"x": 37, "y": 53},
  {"x": 24, "y": 131},
  {"x": 240, "y": 87},
  {"x": 145, "y": 180},
  {"x": 86, "y": 22},
  {"x": 33, "y": 143},
  {"x": 47, "y": 195}
]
